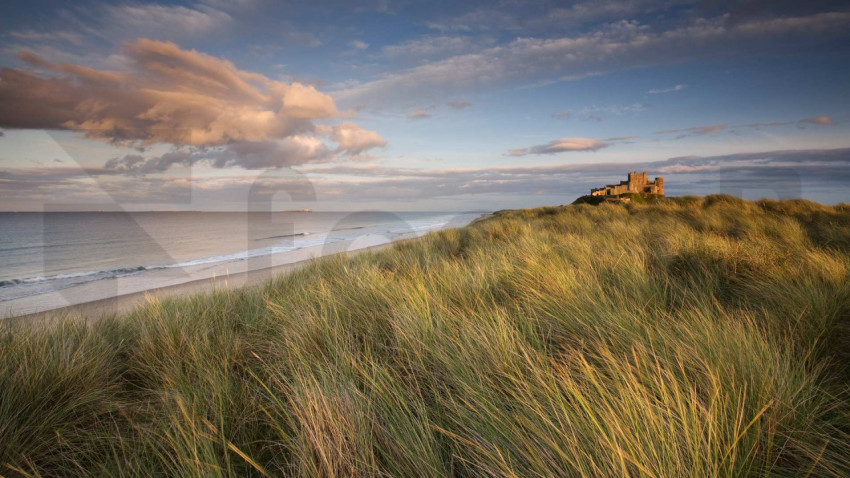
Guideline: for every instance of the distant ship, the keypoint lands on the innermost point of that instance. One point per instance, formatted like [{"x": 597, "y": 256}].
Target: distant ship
[{"x": 297, "y": 210}]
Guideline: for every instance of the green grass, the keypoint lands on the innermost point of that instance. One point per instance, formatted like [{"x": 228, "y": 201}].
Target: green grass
[{"x": 687, "y": 337}]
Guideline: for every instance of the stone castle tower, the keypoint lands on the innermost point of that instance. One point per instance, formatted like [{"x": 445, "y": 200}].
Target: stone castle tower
[{"x": 637, "y": 183}]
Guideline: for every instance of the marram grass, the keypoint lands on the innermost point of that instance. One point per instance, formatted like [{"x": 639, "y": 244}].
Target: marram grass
[{"x": 688, "y": 337}]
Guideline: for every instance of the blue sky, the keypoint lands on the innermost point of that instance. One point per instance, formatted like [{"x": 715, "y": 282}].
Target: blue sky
[{"x": 417, "y": 105}]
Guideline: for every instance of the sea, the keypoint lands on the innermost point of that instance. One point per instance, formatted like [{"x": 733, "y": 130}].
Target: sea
[{"x": 54, "y": 259}]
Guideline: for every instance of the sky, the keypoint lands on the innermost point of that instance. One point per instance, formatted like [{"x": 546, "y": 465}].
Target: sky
[{"x": 417, "y": 105}]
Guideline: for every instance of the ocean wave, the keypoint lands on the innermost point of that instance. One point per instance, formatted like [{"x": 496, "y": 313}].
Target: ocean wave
[
  {"x": 73, "y": 275},
  {"x": 297, "y": 234}
]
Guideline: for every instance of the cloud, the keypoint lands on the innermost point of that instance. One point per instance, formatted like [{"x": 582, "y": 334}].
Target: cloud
[
  {"x": 163, "y": 21},
  {"x": 358, "y": 45},
  {"x": 213, "y": 112},
  {"x": 562, "y": 145},
  {"x": 695, "y": 131},
  {"x": 818, "y": 120},
  {"x": 430, "y": 47},
  {"x": 165, "y": 94},
  {"x": 459, "y": 105},
  {"x": 292, "y": 151},
  {"x": 138, "y": 165},
  {"x": 477, "y": 19},
  {"x": 762, "y": 125},
  {"x": 33, "y": 36},
  {"x": 79, "y": 35},
  {"x": 584, "y": 11},
  {"x": 717, "y": 128},
  {"x": 302, "y": 38},
  {"x": 522, "y": 17},
  {"x": 667, "y": 90},
  {"x": 593, "y": 113},
  {"x": 233, "y": 5},
  {"x": 615, "y": 46},
  {"x": 824, "y": 173},
  {"x": 418, "y": 113},
  {"x": 353, "y": 139}
]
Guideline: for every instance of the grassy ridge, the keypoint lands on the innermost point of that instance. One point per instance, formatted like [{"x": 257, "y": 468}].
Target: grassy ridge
[{"x": 690, "y": 337}]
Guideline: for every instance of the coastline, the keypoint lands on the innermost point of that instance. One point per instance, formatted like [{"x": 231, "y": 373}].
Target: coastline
[
  {"x": 120, "y": 303},
  {"x": 97, "y": 309}
]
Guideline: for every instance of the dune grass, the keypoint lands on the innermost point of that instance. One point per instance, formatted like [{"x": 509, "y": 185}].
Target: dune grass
[{"x": 688, "y": 337}]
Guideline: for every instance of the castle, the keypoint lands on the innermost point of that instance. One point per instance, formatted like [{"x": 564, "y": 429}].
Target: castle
[{"x": 637, "y": 183}]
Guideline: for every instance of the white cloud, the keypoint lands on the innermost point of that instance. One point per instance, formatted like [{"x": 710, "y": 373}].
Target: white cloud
[
  {"x": 561, "y": 145},
  {"x": 358, "y": 45},
  {"x": 354, "y": 139},
  {"x": 659, "y": 91}
]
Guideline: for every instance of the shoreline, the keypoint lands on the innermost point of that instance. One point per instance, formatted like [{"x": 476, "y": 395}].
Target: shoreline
[{"x": 120, "y": 304}]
